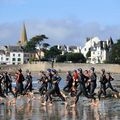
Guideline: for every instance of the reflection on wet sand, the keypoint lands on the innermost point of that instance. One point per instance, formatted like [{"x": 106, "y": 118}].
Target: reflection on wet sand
[{"x": 108, "y": 109}]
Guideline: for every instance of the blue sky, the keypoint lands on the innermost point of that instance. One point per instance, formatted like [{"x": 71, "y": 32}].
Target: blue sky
[{"x": 63, "y": 21}]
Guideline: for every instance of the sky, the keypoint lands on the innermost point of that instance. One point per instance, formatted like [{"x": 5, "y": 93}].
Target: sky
[{"x": 62, "y": 21}]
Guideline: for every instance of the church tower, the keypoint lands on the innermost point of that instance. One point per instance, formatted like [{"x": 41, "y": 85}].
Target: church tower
[{"x": 23, "y": 37}]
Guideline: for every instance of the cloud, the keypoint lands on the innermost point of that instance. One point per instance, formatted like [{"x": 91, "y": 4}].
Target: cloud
[
  {"x": 63, "y": 31},
  {"x": 72, "y": 31}
]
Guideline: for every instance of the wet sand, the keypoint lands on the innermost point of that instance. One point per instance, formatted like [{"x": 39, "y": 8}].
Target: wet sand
[{"x": 107, "y": 109}]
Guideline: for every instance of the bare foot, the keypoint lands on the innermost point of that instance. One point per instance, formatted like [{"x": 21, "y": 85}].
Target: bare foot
[
  {"x": 74, "y": 105},
  {"x": 43, "y": 103},
  {"x": 95, "y": 103},
  {"x": 115, "y": 96},
  {"x": 50, "y": 104}
]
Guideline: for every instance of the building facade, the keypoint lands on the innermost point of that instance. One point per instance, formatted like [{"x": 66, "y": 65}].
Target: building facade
[
  {"x": 14, "y": 55},
  {"x": 99, "y": 50},
  {"x": 69, "y": 49},
  {"x": 90, "y": 42}
]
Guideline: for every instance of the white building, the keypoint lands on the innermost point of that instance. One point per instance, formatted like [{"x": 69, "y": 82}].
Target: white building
[
  {"x": 90, "y": 42},
  {"x": 99, "y": 53},
  {"x": 69, "y": 49},
  {"x": 99, "y": 50},
  {"x": 4, "y": 58},
  {"x": 13, "y": 55}
]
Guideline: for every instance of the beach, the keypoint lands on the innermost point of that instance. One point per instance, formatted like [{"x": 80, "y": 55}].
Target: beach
[{"x": 106, "y": 109}]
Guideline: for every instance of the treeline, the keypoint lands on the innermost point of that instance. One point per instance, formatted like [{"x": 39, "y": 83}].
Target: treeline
[{"x": 37, "y": 44}]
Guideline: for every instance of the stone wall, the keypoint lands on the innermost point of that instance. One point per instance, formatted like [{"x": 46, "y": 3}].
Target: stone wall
[
  {"x": 108, "y": 67},
  {"x": 113, "y": 68}
]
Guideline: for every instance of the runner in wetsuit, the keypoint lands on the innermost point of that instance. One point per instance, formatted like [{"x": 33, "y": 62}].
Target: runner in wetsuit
[
  {"x": 93, "y": 81},
  {"x": 82, "y": 88},
  {"x": 87, "y": 80},
  {"x": 55, "y": 90},
  {"x": 8, "y": 83},
  {"x": 75, "y": 79},
  {"x": 69, "y": 80},
  {"x": 44, "y": 81},
  {"x": 103, "y": 81},
  {"x": 19, "y": 82},
  {"x": 28, "y": 85},
  {"x": 1, "y": 90},
  {"x": 108, "y": 84},
  {"x": 49, "y": 76}
]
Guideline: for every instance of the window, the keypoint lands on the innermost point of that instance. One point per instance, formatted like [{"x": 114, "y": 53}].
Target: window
[
  {"x": 13, "y": 59},
  {"x": 13, "y": 54},
  {"x": 7, "y": 59},
  {"x": 19, "y": 59},
  {"x": 1, "y": 58},
  {"x": 24, "y": 55},
  {"x": 85, "y": 49},
  {"x": 13, "y": 63},
  {"x": 19, "y": 55}
]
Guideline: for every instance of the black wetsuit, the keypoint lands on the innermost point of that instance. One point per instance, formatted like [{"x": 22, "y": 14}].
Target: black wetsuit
[
  {"x": 109, "y": 85},
  {"x": 68, "y": 86},
  {"x": 82, "y": 88},
  {"x": 28, "y": 85},
  {"x": 8, "y": 84},
  {"x": 50, "y": 75},
  {"x": 93, "y": 83},
  {"x": 1, "y": 91},
  {"x": 55, "y": 90},
  {"x": 43, "y": 87},
  {"x": 19, "y": 84},
  {"x": 103, "y": 82}
]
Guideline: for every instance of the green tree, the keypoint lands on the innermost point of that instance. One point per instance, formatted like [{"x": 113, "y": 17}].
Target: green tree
[
  {"x": 45, "y": 45},
  {"x": 115, "y": 53},
  {"x": 61, "y": 58},
  {"x": 36, "y": 42},
  {"x": 52, "y": 54},
  {"x": 76, "y": 57}
]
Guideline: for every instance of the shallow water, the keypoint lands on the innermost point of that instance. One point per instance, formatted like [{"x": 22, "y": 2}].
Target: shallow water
[{"x": 107, "y": 109}]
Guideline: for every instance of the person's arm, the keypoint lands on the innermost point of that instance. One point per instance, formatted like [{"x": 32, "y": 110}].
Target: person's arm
[
  {"x": 17, "y": 78},
  {"x": 111, "y": 78}
]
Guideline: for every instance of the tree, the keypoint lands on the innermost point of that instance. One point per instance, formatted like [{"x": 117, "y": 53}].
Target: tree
[
  {"x": 36, "y": 44},
  {"x": 46, "y": 45},
  {"x": 76, "y": 57},
  {"x": 61, "y": 58},
  {"x": 52, "y": 54},
  {"x": 115, "y": 53}
]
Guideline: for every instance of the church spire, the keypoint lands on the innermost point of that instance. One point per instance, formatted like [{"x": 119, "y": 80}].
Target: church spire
[{"x": 23, "y": 37}]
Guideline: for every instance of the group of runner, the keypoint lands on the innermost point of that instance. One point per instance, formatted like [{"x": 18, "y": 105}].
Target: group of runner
[
  {"x": 6, "y": 80},
  {"x": 77, "y": 82}
]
